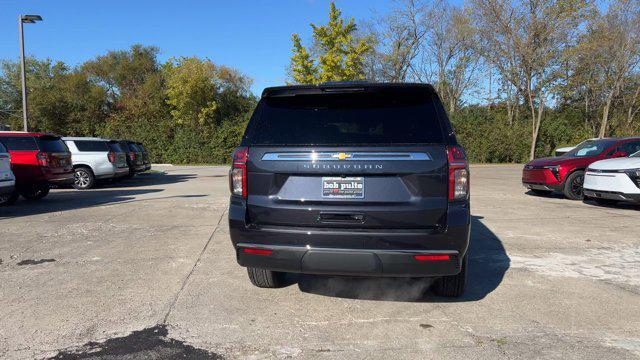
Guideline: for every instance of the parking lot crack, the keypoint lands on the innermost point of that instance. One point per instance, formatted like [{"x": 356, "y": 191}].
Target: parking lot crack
[{"x": 185, "y": 281}]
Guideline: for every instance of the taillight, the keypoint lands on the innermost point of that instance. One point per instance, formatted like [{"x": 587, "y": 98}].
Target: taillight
[
  {"x": 257, "y": 251},
  {"x": 238, "y": 173},
  {"x": 458, "y": 173},
  {"x": 438, "y": 257},
  {"x": 112, "y": 157},
  {"x": 132, "y": 156},
  {"x": 43, "y": 159}
]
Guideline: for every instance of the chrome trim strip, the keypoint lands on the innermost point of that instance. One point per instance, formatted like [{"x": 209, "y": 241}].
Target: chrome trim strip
[
  {"x": 307, "y": 248},
  {"x": 352, "y": 156}
]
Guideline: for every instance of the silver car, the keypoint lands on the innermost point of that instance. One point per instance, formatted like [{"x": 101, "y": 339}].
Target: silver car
[
  {"x": 7, "y": 180},
  {"x": 95, "y": 158}
]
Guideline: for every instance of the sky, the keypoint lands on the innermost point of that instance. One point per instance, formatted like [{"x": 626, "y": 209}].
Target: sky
[{"x": 251, "y": 36}]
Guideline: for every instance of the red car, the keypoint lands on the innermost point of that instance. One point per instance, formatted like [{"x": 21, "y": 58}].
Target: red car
[
  {"x": 37, "y": 160},
  {"x": 566, "y": 173}
]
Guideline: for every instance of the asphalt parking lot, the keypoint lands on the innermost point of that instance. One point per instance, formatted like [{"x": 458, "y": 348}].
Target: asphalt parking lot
[{"x": 145, "y": 269}]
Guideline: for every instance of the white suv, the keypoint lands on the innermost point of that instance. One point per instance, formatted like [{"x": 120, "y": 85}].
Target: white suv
[
  {"x": 95, "y": 158},
  {"x": 7, "y": 180},
  {"x": 612, "y": 180}
]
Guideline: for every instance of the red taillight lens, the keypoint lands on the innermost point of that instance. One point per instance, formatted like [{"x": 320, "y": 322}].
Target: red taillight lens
[
  {"x": 238, "y": 173},
  {"x": 112, "y": 157},
  {"x": 43, "y": 159},
  {"x": 132, "y": 156},
  {"x": 458, "y": 173},
  {"x": 432, "y": 257},
  {"x": 257, "y": 251}
]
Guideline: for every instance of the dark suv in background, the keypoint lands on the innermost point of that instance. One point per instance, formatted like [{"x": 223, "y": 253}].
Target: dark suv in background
[
  {"x": 145, "y": 156},
  {"x": 353, "y": 179},
  {"x": 135, "y": 159}
]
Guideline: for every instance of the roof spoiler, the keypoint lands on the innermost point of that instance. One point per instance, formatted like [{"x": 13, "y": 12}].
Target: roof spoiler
[{"x": 340, "y": 87}]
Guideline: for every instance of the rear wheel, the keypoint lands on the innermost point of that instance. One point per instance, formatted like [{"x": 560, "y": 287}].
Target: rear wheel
[
  {"x": 573, "y": 186},
  {"x": 454, "y": 285},
  {"x": 83, "y": 178},
  {"x": 9, "y": 199},
  {"x": 35, "y": 192},
  {"x": 265, "y": 278}
]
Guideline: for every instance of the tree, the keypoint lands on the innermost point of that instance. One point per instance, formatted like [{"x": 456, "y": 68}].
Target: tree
[
  {"x": 341, "y": 55},
  {"x": 398, "y": 40},
  {"x": 199, "y": 90},
  {"x": 611, "y": 51},
  {"x": 122, "y": 72},
  {"x": 426, "y": 42},
  {"x": 450, "y": 42},
  {"x": 60, "y": 99},
  {"x": 526, "y": 40}
]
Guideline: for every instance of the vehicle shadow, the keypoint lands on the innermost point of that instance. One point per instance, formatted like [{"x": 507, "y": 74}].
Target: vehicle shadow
[
  {"x": 63, "y": 200},
  {"x": 553, "y": 195},
  {"x": 618, "y": 205},
  {"x": 488, "y": 262},
  {"x": 147, "y": 179}
]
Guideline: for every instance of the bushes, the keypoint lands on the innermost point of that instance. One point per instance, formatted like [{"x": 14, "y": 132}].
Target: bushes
[
  {"x": 192, "y": 145},
  {"x": 488, "y": 136}
]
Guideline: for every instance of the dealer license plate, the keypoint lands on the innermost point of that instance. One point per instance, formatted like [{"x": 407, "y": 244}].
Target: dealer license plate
[{"x": 343, "y": 187}]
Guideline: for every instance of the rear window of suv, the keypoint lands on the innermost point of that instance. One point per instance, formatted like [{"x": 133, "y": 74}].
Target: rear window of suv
[
  {"x": 52, "y": 145},
  {"x": 115, "y": 147},
  {"x": 91, "y": 145},
  {"x": 134, "y": 147},
  {"x": 366, "y": 118},
  {"x": 19, "y": 143}
]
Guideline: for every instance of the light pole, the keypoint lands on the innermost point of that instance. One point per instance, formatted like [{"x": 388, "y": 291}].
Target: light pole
[{"x": 29, "y": 19}]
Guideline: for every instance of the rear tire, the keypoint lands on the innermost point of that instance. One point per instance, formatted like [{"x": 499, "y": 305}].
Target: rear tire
[
  {"x": 35, "y": 192},
  {"x": 454, "y": 285},
  {"x": 573, "y": 186},
  {"x": 265, "y": 278},
  {"x": 541, "y": 192},
  {"x": 83, "y": 178},
  {"x": 9, "y": 199}
]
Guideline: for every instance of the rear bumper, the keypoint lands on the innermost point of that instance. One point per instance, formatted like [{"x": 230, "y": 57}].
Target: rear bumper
[
  {"x": 7, "y": 186},
  {"x": 61, "y": 179},
  {"x": 115, "y": 172},
  {"x": 137, "y": 168},
  {"x": 349, "y": 262},
  {"x": 120, "y": 172},
  {"x": 380, "y": 252}
]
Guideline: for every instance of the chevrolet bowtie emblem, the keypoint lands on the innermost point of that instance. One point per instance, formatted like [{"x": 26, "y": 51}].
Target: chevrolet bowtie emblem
[{"x": 341, "y": 156}]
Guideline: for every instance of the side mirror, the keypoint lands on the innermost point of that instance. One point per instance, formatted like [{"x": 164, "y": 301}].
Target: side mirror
[{"x": 618, "y": 154}]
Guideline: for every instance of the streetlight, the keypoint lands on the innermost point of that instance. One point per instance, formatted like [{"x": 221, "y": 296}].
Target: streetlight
[{"x": 29, "y": 19}]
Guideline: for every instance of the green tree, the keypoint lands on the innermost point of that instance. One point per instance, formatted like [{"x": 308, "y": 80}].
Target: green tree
[
  {"x": 61, "y": 100},
  {"x": 122, "y": 72},
  {"x": 341, "y": 54},
  {"x": 191, "y": 90},
  {"x": 201, "y": 92}
]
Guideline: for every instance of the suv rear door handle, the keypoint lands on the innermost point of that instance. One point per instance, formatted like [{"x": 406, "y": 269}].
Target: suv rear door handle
[{"x": 330, "y": 217}]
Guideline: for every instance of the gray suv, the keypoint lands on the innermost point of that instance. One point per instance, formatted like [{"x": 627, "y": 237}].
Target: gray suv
[
  {"x": 351, "y": 179},
  {"x": 95, "y": 158}
]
